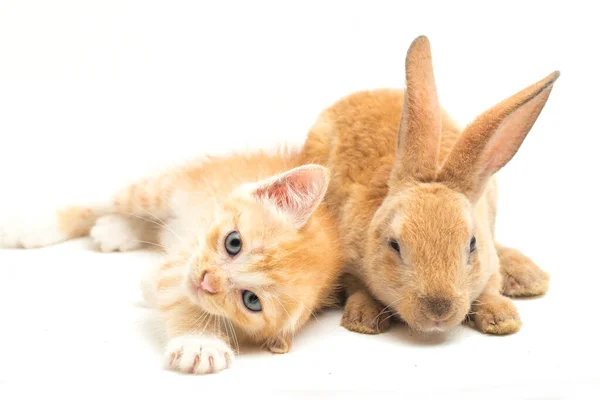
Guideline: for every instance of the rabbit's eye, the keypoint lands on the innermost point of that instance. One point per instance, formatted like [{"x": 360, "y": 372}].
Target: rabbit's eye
[
  {"x": 473, "y": 244},
  {"x": 394, "y": 245}
]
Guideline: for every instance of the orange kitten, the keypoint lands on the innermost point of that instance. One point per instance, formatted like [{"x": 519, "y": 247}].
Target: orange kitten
[{"x": 251, "y": 253}]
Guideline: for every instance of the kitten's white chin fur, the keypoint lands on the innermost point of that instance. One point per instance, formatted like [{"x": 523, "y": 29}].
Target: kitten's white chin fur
[{"x": 198, "y": 354}]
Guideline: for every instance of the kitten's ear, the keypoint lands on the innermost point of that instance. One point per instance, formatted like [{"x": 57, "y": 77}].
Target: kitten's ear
[{"x": 296, "y": 193}]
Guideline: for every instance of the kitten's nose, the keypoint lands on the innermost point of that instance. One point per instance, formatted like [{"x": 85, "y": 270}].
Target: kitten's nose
[
  {"x": 438, "y": 309},
  {"x": 210, "y": 283}
]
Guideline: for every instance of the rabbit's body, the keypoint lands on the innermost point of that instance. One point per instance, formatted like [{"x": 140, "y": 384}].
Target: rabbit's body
[
  {"x": 358, "y": 137},
  {"x": 374, "y": 179}
]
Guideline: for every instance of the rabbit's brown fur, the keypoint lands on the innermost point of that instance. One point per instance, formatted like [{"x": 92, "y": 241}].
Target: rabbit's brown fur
[{"x": 405, "y": 175}]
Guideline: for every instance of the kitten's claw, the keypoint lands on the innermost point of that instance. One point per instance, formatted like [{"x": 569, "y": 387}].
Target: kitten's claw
[
  {"x": 363, "y": 314},
  {"x": 198, "y": 354},
  {"x": 115, "y": 233}
]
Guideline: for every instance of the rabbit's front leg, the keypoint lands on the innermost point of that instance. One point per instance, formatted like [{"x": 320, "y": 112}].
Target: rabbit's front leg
[
  {"x": 521, "y": 277},
  {"x": 494, "y": 313},
  {"x": 362, "y": 313}
]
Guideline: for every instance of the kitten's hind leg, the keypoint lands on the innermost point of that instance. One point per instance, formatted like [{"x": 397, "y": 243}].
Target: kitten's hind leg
[
  {"x": 147, "y": 200},
  {"x": 116, "y": 232},
  {"x": 521, "y": 277},
  {"x": 45, "y": 229}
]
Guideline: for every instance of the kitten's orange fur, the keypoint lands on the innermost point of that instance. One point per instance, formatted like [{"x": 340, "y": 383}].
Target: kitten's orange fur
[{"x": 290, "y": 256}]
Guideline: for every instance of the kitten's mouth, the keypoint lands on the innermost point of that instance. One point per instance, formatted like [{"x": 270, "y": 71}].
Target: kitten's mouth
[{"x": 202, "y": 298}]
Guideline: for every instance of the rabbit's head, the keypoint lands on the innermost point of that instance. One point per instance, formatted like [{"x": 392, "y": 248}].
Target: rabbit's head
[{"x": 430, "y": 250}]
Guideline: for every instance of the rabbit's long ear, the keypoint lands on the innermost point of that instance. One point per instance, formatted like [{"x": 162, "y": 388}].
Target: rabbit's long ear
[
  {"x": 493, "y": 138},
  {"x": 420, "y": 124}
]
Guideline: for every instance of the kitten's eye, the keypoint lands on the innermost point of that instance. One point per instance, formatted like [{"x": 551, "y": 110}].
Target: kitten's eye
[
  {"x": 394, "y": 245},
  {"x": 251, "y": 301},
  {"x": 233, "y": 243},
  {"x": 473, "y": 244}
]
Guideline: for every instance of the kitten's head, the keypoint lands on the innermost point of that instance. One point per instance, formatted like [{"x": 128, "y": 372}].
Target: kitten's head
[{"x": 265, "y": 259}]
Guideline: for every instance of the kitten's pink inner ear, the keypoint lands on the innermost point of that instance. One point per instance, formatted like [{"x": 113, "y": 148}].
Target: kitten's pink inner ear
[
  {"x": 285, "y": 191},
  {"x": 297, "y": 192}
]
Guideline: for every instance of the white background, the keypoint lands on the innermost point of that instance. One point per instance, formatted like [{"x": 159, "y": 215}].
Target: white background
[{"x": 96, "y": 93}]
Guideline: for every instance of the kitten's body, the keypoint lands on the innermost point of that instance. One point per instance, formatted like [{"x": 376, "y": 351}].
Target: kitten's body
[{"x": 289, "y": 258}]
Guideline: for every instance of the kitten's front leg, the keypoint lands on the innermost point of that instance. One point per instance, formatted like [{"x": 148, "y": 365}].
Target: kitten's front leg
[
  {"x": 198, "y": 354},
  {"x": 196, "y": 343},
  {"x": 279, "y": 344}
]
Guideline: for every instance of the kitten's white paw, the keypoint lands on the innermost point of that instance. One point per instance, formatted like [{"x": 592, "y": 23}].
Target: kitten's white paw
[
  {"x": 115, "y": 233},
  {"x": 198, "y": 354},
  {"x": 30, "y": 232}
]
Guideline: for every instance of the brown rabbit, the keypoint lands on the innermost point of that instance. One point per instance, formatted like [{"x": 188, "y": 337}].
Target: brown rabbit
[{"x": 415, "y": 199}]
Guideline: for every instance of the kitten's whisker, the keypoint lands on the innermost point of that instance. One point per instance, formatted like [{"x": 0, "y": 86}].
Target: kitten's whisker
[
  {"x": 164, "y": 224},
  {"x": 237, "y": 343},
  {"x": 185, "y": 221},
  {"x": 303, "y": 305},
  {"x": 270, "y": 298},
  {"x": 223, "y": 324},
  {"x": 209, "y": 322},
  {"x": 273, "y": 306},
  {"x": 145, "y": 219},
  {"x": 282, "y": 306},
  {"x": 151, "y": 243},
  {"x": 200, "y": 320}
]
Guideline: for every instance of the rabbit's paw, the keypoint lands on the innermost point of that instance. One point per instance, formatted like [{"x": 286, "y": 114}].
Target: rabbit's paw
[
  {"x": 496, "y": 315},
  {"x": 521, "y": 276},
  {"x": 198, "y": 354},
  {"x": 363, "y": 314}
]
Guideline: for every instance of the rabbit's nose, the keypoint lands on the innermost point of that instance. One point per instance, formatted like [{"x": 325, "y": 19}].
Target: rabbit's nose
[{"x": 438, "y": 309}]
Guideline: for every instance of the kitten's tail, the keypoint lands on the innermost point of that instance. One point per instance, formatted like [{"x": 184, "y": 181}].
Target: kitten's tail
[
  {"x": 146, "y": 200},
  {"x": 44, "y": 230}
]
